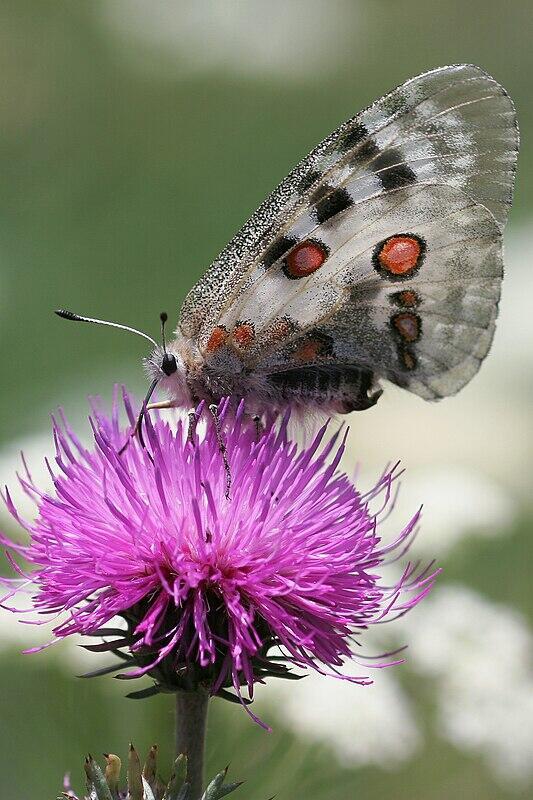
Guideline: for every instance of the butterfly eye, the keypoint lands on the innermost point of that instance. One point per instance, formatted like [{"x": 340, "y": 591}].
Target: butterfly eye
[{"x": 169, "y": 364}]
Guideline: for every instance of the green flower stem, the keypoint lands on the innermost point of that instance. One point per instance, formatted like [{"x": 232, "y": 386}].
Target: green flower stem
[{"x": 191, "y": 719}]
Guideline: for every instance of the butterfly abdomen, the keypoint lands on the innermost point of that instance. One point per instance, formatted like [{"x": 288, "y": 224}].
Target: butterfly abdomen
[{"x": 337, "y": 389}]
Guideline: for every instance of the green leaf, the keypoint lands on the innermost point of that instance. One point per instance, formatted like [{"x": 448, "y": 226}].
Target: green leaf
[
  {"x": 148, "y": 794},
  {"x": 135, "y": 784},
  {"x": 177, "y": 782},
  {"x": 150, "y": 766},
  {"x": 233, "y": 698},
  {"x": 97, "y": 779},
  {"x": 104, "y": 647},
  {"x": 184, "y": 793},
  {"x": 288, "y": 676},
  {"x": 140, "y": 694},
  {"x": 102, "y": 671},
  {"x": 228, "y": 788},
  {"x": 216, "y": 788},
  {"x": 107, "y": 632},
  {"x": 212, "y": 791}
]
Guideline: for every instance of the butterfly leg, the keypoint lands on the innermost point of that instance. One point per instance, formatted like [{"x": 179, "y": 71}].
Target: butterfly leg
[
  {"x": 259, "y": 427},
  {"x": 162, "y": 404},
  {"x": 193, "y": 421},
  {"x": 222, "y": 447},
  {"x": 137, "y": 430}
]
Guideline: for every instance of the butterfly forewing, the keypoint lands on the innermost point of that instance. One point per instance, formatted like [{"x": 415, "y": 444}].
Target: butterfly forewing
[{"x": 381, "y": 252}]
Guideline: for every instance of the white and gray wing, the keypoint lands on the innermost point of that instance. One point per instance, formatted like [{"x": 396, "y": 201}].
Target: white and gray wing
[{"x": 407, "y": 198}]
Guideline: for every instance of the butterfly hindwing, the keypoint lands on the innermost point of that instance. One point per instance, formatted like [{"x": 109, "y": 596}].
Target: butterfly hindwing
[{"x": 426, "y": 329}]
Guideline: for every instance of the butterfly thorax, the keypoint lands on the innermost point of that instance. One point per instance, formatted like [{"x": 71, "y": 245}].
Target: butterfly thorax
[{"x": 200, "y": 378}]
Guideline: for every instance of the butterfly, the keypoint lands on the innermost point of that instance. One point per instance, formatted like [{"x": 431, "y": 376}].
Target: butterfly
[{"x": 379, "y": 257}]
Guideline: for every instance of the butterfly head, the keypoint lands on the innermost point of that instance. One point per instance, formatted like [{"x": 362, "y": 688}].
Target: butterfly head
[{"x": 166, "y": 365}]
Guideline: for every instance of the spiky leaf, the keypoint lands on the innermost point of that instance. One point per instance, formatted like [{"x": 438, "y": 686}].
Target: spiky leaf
[
  {"x": 148, "y": 794},
  {"x": 140, "y": 694},
  {"x": 150, "y": 766},
  {"x": 135, "y": 784},
  {"x": 96, "y": 779},
  {"x": 216, "y": 788},
  {"x": 178, "y": 779},
  {"x": 228, "y": 788}
]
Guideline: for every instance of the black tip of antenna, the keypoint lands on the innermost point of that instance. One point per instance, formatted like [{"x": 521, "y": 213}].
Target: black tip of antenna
[
  {"x": 163, "y": 317},
  {"x": 64, "y": 314}
]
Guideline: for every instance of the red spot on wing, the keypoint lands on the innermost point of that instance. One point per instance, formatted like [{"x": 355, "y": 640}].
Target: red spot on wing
[
  {"x": 309, "y": 351},
  {"x": 243, "y": 334},
  {"x": 409, "y": 360},
  {"x": 305, "y": 259},
  {"x": 399, "y": 255},
  {"x": 407, "y": 325},
  {"x": 408, "y": 298},
  {"x": 280, "y": 329},
  {"x": 218, "y": 338},
  {"x": 314, "y": 348}
]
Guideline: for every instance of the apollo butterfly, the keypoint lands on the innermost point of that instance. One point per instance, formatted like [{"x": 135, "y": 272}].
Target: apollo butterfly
[{"x": 378, "y": 258}]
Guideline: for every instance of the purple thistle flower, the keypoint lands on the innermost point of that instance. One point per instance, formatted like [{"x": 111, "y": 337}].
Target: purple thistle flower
[{"x": 210, "y": 586}]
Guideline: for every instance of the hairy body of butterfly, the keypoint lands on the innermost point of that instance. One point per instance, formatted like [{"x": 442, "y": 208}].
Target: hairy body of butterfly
[{"x": 378, "y": 257}]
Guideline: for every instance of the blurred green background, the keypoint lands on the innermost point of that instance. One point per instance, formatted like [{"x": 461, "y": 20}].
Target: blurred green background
[{"x": 135, "y": 138}]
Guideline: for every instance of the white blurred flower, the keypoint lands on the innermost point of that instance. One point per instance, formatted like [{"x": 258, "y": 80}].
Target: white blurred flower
[
  {"x": 36, "y": 448},
  {"x": 480, "y": 654},
  {"x": 297, "y": 40},
  {"x": 370, "y": 725},
  {"x": 457, "y": 502}
]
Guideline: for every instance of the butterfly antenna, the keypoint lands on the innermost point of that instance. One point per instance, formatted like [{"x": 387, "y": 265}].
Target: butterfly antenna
[
  {"x": 163, "y": 317},
  {"x": 64, "y": 314},
  {"x": 169, "y": 364}
]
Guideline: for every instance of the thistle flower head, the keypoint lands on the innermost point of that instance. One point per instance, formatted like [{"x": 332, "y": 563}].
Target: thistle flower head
[{"x": 214, "y": 591}]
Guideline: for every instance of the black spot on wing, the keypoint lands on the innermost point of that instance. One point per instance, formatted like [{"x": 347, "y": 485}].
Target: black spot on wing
[
  {"x": 320, "y": 192},
  {"x": 387, "y": 164},
  {"x": 309, "y": 180},
  {"x": 277, "y": 250},
  {"x": 395, "y": 103},
  {"x": 332, "y": 204},
  {"x": 392, "y": 173},
  {"x": 353, "y": 137},
  {"x": 367, "y": 151}
]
